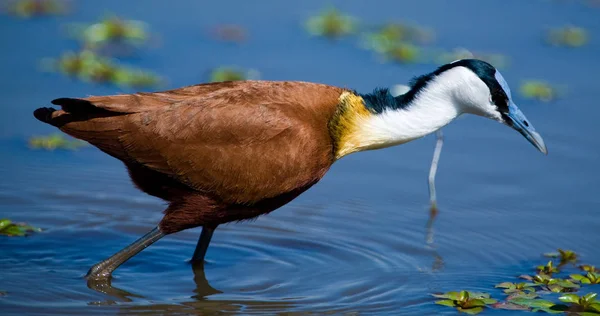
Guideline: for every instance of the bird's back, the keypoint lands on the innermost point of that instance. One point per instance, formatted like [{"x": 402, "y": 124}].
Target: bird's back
[{"x": 241, "y": 141}]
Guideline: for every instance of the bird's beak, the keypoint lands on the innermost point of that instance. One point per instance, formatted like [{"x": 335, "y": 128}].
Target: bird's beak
[{"x": 524, "y": 126}]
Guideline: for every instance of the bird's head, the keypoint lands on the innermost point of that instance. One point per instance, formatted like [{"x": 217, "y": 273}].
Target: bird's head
[{"x": 483, "y": 91}]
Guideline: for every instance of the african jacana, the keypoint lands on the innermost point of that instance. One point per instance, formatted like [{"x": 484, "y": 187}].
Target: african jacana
[{"x": 229, "y": 151}]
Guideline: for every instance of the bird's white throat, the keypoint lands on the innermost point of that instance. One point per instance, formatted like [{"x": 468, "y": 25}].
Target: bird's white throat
[{"x": 439, "y": 102}]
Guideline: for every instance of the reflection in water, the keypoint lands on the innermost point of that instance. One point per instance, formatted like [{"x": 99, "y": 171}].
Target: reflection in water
[{"x": 202, "y": 290}]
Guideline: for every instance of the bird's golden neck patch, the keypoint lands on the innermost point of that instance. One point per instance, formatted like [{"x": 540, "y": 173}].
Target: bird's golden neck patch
[{"x": 345, "y": 125}]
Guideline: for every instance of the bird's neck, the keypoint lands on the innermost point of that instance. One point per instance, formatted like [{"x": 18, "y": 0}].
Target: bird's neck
[{"x": 379, "y": 120}]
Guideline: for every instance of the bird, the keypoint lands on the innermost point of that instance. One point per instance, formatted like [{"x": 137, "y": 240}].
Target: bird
[{"x": 232, "y": 151}]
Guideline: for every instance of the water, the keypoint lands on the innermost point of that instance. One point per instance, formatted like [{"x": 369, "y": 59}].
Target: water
[{"x": 355, "y": 242}]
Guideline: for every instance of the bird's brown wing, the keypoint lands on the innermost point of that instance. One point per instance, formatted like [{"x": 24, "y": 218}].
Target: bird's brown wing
[{"x": 243, "y": 141}]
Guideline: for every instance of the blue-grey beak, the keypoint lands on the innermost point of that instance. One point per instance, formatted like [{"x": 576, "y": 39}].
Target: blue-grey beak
[{"x": 523, "y": 126}]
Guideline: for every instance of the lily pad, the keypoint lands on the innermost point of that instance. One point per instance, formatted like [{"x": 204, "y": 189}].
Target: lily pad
[
  {"x": 570, "y": 36},
  {"x": 545, "y": 92},
  {"x": 9, "y": 228},
  {"x": 547, "y": 269},
  {"x": 110, "y": 33},
  {"x": 331, "y": 23},
  {"x": 91, "y": 67},
  {"x": 589, "y": 268},
  {"x": 465, "y": 301},
  {"x": 589, "y": 278}
]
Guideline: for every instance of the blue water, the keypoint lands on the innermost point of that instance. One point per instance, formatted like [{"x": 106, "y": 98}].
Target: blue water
[{"x": 355, "y": 242}]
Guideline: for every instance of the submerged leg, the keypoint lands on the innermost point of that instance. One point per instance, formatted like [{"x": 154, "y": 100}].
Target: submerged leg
[
  {"x": 433, "y": 210},
  {"x": 202, "y": 246},
  {"x": 104, "y": 269}
]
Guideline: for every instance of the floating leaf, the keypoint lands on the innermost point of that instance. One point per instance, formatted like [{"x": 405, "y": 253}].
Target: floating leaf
[
  {"x": 542, "y": 91},
  {"x": 91, "y": 67},
  {"x": 548, "y": 269},
  {"x": 112, "y": 33},
  {"x": 331, "y": 23},
  {"x": 571, "y": 36},
  {"x": 471, "y": 311},
  {"x": 4, "y": 223},
  {"x": 589, "y": 268},
  {"x": 12, "y": 229},
  {"x": 569, "y": 298},
  {"x": 445, "y": 302}
]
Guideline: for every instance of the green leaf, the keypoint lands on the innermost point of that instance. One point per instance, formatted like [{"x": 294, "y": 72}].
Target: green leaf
[
  {"x": 534, "y": 303},
  {"x": 488, "y": 301},
  {"x": 570, "y": 298},
  {"x": 590, "y": 297},
  {"x": 552, "y": 254},
  {"x": 595, "y": 307},
  {"x": 505, "y": 285},
  {"x": 530, "y": 295},
  {"x": 473, "y": 303},
  {"x": 4, "y": 223},
  {"x": 449, "y": 295},
  {"x": 577, "y": 277},
  {"x": 556, "y": 309},
  {"x": 446, "y": 303},
  {"x": 463, "y": 296},
  {"x": 478, "y": 295},
  {"x": 13, "y": 230},
  {"x": 471, "y": 311},
  {"x": 567, "y": 284}
]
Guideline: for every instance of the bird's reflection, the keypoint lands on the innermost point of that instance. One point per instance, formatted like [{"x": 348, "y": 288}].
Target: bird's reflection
[
  {"x": 202, "y": 290},
  {"x": 197, "y": 304}
]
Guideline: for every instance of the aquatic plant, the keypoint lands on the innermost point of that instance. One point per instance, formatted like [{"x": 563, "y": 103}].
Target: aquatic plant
[
  {"x": 331, "y": 23},
  {"x": 404, "y": 53},
  {"x": 33, "y": 8},
  {"x": 55, "y": 141},
  {"x": 589, "y": 268},
  {"x": 9, "y": 228},
  {"x": 510, "y": 287},
  {"x": 547, "y": 269},
  {"x": 565, "y": 256},
  {"x": 540, "y": 90},
  {"x": 532, "y": 304},
  {"x": 586, "y": 303},
  {"x": 111, "y": 30},
  {"x": 221, "y": 74},
  {"x": 551, "y": 284},
  {"x": 464, "y": 301},
  {"x": 91, "y": 67},
  {"x": 588, "y": 278},
  {"x": 571, "y": 36},
  {"x": 389, "y": 35}
]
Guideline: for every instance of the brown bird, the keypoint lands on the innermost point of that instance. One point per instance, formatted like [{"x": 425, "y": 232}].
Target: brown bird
[{"x": 229, "y": 151}]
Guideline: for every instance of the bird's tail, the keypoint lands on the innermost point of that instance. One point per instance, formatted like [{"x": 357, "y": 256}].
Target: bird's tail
[{"x": 72, "y": 110}]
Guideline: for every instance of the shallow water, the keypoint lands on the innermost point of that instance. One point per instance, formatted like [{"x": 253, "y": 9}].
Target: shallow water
[{"x": 355, "y": 242}]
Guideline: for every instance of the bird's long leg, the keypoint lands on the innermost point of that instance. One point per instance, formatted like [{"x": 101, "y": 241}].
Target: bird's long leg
[
  {"x": 104, "y": 269},
  {"x": 433, "y": 210},
  {"x": 202, "y": 246}
]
